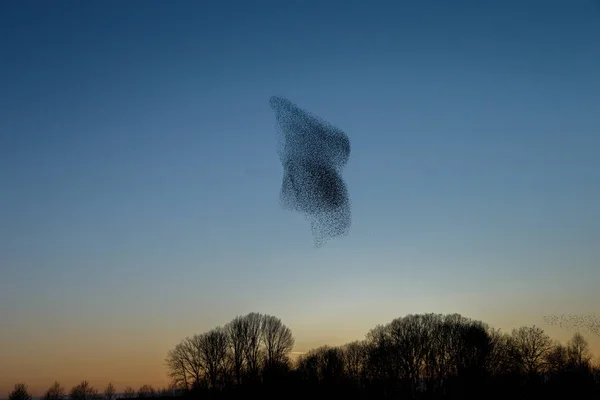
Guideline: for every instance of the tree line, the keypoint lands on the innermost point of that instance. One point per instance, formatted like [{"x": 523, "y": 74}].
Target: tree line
[
  {"x": 85, "y": 391},
  {"x": 423, "y": 356},
  {"x": 416, "y": 356}
]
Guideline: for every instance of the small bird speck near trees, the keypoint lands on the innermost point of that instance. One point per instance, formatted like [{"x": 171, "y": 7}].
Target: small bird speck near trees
[{"x": 19, "y": 392}]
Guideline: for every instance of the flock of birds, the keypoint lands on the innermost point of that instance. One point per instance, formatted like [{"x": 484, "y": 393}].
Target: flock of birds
[
  {"x": 313, "y": 153},
  {"x": 588, "y": 323}
]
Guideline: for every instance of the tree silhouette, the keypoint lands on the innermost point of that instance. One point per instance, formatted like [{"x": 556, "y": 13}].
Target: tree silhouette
[
  {"x": 83, "y": 391},
  {"x": 213, "y": 347},
  {"x": 308, "y": 366},
  {"x": 184, "y": 365},
  {"x": 129, "y": 393},
  {"x": 19, "y": 392},
  {"x": 252, "y": 344},
  {"x": 578, "y": 352},
  {"x": 236, "y": 336},
  {"x": 278, "y": 341},
  {"x": 146, "y": 391},
  {"x": 531, "y": 347},
  {"x": 557, "y": 359},
  {"x": 332, "y": 365},
  {"x": 500, "y": 361},
  {"x": 110, "y": 392},
  {"x": 55, "y": 392},
  {"x": 355, "y": 359}
]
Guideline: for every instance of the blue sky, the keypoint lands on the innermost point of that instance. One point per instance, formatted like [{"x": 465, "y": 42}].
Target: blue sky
[{"x": 140, "y": 178}]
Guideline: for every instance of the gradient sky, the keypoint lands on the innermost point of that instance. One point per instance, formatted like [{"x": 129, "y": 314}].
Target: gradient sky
[{"x": 140, "y": 180}]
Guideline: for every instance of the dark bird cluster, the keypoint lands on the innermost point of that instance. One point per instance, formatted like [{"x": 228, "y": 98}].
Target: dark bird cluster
[
  {"x": 575, "y": 322},
  {"x": 312, "y": 154}
]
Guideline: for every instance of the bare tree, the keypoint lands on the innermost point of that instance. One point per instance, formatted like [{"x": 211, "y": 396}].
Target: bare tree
[
  {"x": 409, "y": 351},
  {"x": 475, "y": 349},
  {"x": 252, "y": 342},
  {"x": 19, "y": 392},
  {"x": 438, "y": 362},
  {"x": 578, "y": 351},
  {"x": 355, "y": 359},
  {"x": 146, "y": 392},
  {"x": 378, "y": 346},
  {"x": 200, "y": 359},
  {"x": 556, "y": 359},
  {"x": 129, "y": 393},
  {"x": 500, "y": 360},
  {"x": 213, "y": 349},
  {"x": 83, "y": 391},
  {"x": 55, "y": 392},
  {"x": 308, "y": 365},
  {"x": 531, "y": 346},
  {"x": 278, "y": 341},
  {"x": 184, "y": 363},
  {"x": 109, "y": 392},
  {"x": 324, "y": 364},
  {"x": 332, "y": 365},
  {"x": 236, "y": 335}
]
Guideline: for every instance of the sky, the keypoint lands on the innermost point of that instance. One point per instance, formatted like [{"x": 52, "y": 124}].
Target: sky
[{"x": 140, "y": 179}]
